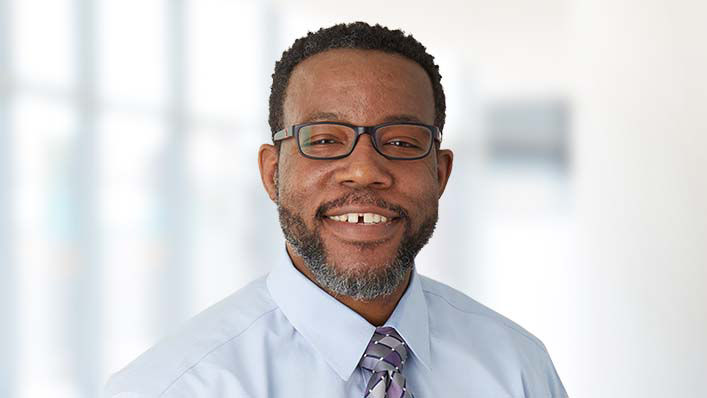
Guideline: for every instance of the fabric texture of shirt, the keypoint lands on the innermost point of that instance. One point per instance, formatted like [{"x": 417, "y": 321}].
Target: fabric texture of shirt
[{"x": 283, "y": 336}]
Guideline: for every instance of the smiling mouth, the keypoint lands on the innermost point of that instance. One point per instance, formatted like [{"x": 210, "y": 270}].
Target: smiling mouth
[
  {"x": 362, "y": 228},
  {"x": 362, "y": 218}
]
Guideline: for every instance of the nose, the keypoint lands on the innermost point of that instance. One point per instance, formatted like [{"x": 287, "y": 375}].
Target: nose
[{"x": 365, "y": 167}]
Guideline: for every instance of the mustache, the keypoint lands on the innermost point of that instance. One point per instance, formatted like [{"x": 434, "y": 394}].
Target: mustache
[{"x": 362, "y": 198}]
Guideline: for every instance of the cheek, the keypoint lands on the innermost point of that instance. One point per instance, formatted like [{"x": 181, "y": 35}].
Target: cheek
[
  {"x": 298, "y": 185},
  {"x": 419, "y": 178},
  {"x": 418, "y": 190}
]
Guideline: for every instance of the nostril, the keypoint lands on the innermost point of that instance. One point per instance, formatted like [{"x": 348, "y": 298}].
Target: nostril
[{"x": 365, "y": 167}]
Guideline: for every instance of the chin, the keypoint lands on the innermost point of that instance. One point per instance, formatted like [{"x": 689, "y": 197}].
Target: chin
[
  {"x": 362, "y": 256},
  {"x": 363, "y": 266}
]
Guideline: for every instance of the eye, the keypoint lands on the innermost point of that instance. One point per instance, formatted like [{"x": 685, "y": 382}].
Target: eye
[
  {"x": 402, "y": 143},
  {"x": 320, "y": 141}
]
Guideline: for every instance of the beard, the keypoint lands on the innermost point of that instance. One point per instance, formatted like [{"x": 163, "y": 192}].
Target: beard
[{"x": 362, "y": 282}]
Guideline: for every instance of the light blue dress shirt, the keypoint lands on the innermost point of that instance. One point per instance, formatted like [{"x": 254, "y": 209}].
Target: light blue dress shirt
[{"x": 282, "y": 336}]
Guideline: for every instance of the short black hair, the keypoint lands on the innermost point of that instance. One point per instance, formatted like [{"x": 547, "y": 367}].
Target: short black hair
[{"x": 356, "y": 35}]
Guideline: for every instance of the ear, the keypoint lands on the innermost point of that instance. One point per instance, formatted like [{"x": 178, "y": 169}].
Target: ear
[
  {"x": 445, "y": 158},
  {"x": 267, "y": 163}
]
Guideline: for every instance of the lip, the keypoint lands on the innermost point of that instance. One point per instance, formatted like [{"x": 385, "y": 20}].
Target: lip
[{"x": 362, "y": 233}]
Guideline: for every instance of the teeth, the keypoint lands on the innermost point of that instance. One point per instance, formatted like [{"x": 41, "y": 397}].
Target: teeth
[{"x": 353, "y": 218}]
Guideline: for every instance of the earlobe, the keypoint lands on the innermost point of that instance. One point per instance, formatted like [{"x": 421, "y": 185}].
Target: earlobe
[
  {"x": 445, "y": 159},
  {"x": 267, "y": 163}
]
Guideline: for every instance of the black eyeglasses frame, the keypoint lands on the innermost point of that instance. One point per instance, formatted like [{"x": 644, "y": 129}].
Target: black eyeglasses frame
[{"x": 293, "y": 131}]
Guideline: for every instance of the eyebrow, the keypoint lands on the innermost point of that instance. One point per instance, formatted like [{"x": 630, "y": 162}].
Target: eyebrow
[
  {"x": 336, "y": 117},
  {"x": 322, "y": 116}
]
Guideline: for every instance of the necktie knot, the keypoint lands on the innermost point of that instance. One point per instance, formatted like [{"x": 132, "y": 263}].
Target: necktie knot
[{"x": 385, "y": 358}]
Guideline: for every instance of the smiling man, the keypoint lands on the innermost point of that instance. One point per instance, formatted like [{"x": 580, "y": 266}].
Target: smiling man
[{"x": 356, "y": 170}]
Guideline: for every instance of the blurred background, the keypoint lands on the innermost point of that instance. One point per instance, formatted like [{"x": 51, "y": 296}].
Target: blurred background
[{"x": 130, "y": 198}]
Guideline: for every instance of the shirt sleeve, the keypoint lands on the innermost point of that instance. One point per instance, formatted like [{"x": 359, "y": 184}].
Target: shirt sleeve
[{"x": 554, "y": 384}]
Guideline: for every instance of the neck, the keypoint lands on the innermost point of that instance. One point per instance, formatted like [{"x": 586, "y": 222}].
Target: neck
[{"x": 376, "y": 311}]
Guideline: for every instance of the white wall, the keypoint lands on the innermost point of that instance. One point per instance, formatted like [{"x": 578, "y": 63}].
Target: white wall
[{"x": 641, "y": 190}]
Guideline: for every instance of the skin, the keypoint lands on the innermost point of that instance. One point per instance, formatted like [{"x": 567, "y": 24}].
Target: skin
[{"x": 362, "y": 87}]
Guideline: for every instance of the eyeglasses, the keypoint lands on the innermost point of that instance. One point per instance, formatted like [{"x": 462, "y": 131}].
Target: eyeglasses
[{"x": 333, "y": 140}]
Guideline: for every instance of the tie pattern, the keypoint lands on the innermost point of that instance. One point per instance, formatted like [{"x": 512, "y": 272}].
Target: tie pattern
[{"x": 385, "y": 358}]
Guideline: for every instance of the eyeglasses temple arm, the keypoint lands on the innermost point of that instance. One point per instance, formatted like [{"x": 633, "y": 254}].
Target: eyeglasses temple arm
[
  {"x": 284, "y": 133},
  {"x": 438, "y": 134}
]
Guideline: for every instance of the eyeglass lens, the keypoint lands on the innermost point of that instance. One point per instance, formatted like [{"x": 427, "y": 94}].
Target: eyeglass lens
[{"x": 330, "y": 140}]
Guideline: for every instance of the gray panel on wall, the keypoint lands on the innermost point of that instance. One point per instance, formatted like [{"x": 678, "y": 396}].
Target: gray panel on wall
[{"x": 528, "y": 130}]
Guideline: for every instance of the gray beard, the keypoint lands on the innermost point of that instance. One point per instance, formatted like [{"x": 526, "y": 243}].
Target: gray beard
[{"x": 364, "y": 282}]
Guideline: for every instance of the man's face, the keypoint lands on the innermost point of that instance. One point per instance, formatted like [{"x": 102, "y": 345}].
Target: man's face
[{"x": 364, "y": 88}]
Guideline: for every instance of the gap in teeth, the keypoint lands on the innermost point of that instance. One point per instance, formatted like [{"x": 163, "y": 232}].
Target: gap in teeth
[{"x": 357, "y": 218}]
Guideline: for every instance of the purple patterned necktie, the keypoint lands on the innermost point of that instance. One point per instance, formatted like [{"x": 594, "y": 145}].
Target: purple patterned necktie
[{"x": 385, "y": 357}]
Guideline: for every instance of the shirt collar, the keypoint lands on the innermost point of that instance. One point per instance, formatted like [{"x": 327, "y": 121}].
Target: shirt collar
[
  {"x": 411, "y": 320},
  {"x": 325, "y": 322}
]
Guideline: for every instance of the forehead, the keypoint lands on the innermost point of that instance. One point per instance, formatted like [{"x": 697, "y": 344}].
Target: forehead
[{"x": 360, "y": 86}]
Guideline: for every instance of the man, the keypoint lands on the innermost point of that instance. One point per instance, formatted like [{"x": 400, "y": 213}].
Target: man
[{"x": 345, "y": 314}]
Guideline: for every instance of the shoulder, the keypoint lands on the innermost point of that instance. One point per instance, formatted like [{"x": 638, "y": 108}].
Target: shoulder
[
  {"x": 463, "y": 310},
  {"x": 478, "y": 332},
  {"x": 157, "y": 369}
]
